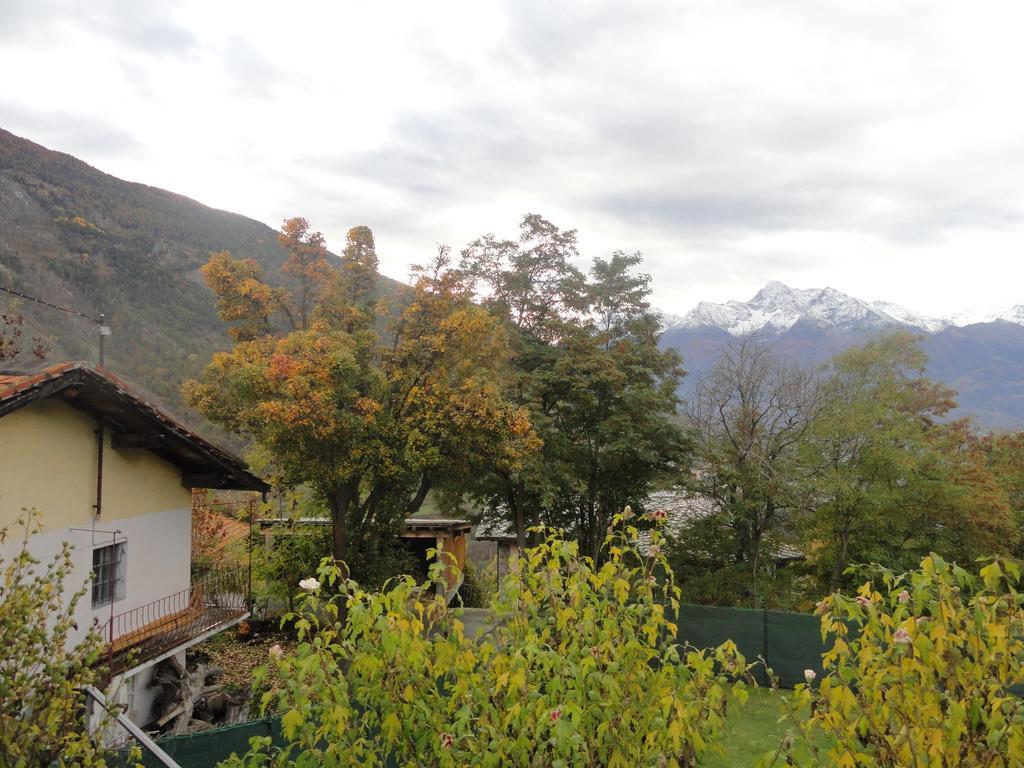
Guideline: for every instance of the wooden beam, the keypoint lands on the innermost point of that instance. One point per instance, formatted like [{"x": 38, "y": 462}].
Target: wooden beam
[
  {"x": 150, "y": 440},
  {"x": 199, "y": 480},
  {"x": 218, "y": 480}
]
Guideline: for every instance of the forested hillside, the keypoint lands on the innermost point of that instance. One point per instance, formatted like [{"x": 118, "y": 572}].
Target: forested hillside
[{"x": 81, "y": 238}]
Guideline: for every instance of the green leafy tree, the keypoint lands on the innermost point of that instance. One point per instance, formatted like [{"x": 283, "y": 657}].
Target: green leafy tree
[
  {"x": 613, "y": 393},
  {"x": 579, "y": 669},
  {"x": 888, "y": 480},
  {"x": 587, "y": 368},
  {"x": 919, "y": 674},
  {"x": 370, "y": 421},
  {"x": 42, "y": 673}
]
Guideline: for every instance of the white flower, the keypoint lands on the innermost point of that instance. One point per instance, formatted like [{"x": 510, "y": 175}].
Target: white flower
[
  {"x": 901, "y": 636},
  {"x": 276, "y": 651},
  {"x": 809, "y": 675},
  {"x": 654, "y": 550},
  {"x": 310, "y": 584},
  {"x": 904, "y": 597}
]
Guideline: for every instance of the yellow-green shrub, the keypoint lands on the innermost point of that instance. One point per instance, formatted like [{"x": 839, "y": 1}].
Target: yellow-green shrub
[
  {"x": 578, "y": 670},
  {"x": 926, "y": 681}
]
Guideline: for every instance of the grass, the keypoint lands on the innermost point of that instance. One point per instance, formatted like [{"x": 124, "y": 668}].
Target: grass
[{"x": 751, "y": 731}]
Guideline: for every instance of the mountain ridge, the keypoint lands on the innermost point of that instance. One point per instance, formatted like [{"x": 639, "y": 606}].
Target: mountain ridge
[
  {"x": 983, "y": 361},
  {"x": 777, "y": 307},
  {"x": 74, "y": 235}
]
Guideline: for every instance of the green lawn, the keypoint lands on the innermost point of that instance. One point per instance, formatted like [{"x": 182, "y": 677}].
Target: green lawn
[{"x": 751, "y": 731}]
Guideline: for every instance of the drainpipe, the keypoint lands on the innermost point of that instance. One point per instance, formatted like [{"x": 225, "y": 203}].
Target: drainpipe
[
  {"x": 104, "y": 331},
  {"x": 100, "y": 439}
]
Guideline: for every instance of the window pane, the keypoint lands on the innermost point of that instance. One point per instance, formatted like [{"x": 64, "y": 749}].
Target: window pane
[{"x": 108, "y": 567}]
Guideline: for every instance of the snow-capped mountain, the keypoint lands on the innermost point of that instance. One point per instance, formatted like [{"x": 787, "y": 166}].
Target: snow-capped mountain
[
  {"x": 1012, "y": 313},
  {"x": 970, "y": 351},
  {"x": 910, "y": 317},
  {"x": 777, "y": 308}
]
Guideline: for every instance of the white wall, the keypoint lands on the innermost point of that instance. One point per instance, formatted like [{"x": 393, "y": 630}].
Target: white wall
[{"x": 158, "y": 549}]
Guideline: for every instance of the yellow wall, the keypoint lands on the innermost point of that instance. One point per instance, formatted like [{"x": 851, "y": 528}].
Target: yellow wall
[{"x": 48, "y": 461}]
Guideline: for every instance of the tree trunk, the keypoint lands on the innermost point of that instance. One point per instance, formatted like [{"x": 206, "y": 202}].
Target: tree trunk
[
  {"x": 517, "y": 510},
  {"x": 339, "y": 502},
  {"x": 840, "y": 566},
  {"x": 421, "y": 495}
]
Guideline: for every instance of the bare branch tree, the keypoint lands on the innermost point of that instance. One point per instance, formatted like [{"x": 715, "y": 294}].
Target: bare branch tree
[{"x": 748, "y": 417}]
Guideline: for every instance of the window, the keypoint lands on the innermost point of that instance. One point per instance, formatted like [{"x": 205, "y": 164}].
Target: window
[{"x": 108, "y": 573}]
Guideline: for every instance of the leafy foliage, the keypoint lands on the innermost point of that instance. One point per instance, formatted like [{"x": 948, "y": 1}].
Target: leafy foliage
[
  {"x": 587, "y": 368},
  {"x": 888, "y": 479},
  {"x": 1004, "y": 457},
  {"x": 371, "y": 423},
  {"x": 921, "y": 670},
  {"x": 42, "y": 674},
  {"x": 577, "y": 670},
  {"x": 857, "y": 462}
]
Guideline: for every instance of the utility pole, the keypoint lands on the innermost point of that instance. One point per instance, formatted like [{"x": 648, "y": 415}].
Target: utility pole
[{"x": 104, "y": 330}]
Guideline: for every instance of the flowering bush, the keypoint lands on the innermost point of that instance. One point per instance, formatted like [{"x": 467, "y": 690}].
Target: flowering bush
[
  {"x": 926, "y": 682},
  {"x": 578, "y": 669}
]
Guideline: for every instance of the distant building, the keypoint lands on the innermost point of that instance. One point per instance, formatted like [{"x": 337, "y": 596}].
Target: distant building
[
  {"x": 682, "y": 509},
  {"x": 113, "y": 475}
]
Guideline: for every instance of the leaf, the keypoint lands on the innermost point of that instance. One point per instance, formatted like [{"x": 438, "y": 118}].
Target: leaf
[{"x": 290, "y": 722}]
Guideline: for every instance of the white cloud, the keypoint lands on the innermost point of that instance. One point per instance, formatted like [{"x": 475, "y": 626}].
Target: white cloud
[{"x": 871, "y": 146}]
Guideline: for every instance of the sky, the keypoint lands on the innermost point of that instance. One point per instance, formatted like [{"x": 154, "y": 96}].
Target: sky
[{"x": 873, "y": 146}]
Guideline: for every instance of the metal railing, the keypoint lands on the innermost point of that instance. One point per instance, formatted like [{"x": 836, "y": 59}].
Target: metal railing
[{"x": 218, "y": 594}]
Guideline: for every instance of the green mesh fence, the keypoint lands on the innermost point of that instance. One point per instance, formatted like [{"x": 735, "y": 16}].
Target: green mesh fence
[
  {"x": 788, "y": 642},
  {"x": 207, "y": 748}
]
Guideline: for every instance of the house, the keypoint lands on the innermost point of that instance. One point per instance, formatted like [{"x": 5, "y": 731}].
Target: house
[
  {"x": 113, "y": 475},
  {"x": 683, "y": 509}
]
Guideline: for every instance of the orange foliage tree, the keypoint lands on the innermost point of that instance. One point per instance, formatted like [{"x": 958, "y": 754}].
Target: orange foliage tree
[{"x": 370, "y": 407}]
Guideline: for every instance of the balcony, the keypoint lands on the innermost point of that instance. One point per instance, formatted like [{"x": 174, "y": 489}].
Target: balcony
[{"x": 217, "y": 599}]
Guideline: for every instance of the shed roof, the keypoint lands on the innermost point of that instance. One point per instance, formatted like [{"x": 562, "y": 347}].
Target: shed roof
[{"x": 135, "y": 422}]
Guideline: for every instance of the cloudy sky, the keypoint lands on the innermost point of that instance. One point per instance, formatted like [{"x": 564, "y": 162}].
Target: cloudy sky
[{"x": 873, "y": 146}]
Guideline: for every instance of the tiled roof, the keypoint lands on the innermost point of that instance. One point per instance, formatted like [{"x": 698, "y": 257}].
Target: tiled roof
[
  {"x": 683, "y": 508},
  {"x": 11, "y": 383},
  {"x": 102, "y": 389}
]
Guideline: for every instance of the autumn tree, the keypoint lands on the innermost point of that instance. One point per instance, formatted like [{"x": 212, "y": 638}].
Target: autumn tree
[
  {"x": 372, "y": 421},
  {"x": 889, "y": 478},
  {"x": 1004, "y": 457}
]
